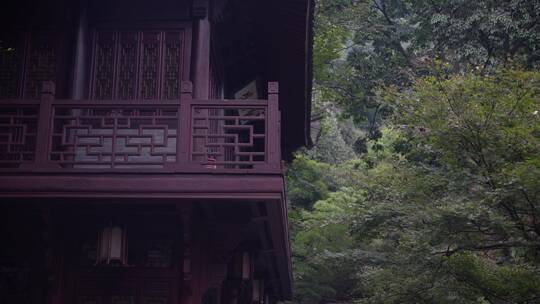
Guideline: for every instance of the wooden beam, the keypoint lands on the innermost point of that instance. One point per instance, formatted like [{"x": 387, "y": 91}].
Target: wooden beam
[{"x": 186, "y": 186}]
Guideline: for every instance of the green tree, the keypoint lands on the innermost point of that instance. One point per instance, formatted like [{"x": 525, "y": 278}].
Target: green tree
[
  {"x": 424, "y": 182},
  {"x": 441, "y": 209},
  {"x": 369, "y": 43}
]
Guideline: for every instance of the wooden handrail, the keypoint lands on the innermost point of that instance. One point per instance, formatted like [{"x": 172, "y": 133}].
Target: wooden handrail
[{"x": 263, "y": 153}]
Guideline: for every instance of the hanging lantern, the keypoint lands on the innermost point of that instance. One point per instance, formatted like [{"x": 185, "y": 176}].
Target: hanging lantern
[
  {"x": 246, "y": 266},
  {"x": 112, "y": 246},
  {"x": 257, "y": 291},
  {"x": 243, "y": 267}
]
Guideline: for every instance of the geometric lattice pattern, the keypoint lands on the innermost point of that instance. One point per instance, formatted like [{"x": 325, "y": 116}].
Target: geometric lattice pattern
[
  {"x": 136, "y": 64},
  {"x": 26, "y": 60},
  {"x": 229, "y": 136},
  {"x": 172, "y": 64},
  {"x": 149, "y": 71},
  {"x": 103, "y": 71},
  {"x": 127, "y": 66},
  {"x": 139, "y": 135},
  {"x": 119, "y": 137},
  {"x": 40, "y": 64},
  {"x": 18, "y": 125},
  {"x": 11, "y": 62}
]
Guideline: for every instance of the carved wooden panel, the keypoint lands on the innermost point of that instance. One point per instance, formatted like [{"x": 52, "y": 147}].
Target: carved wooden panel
[
  {"x": 18, "y": 127},
  {"x": 137, "y": 64},
  {"x": 127, "y": 66},
  {"x": 149, "y": 84},
  {"x": 104, "y": 62},
  {"x": 40, "y": 64},
  {"x": 172, "y": 65},
  {"x": 11, "y": 63},
  {"x": 120, "y": 137},
  {"x": 27, "y": 59}
]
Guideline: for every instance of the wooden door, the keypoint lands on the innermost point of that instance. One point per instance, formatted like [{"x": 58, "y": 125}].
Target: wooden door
[
  {"x": 138, "y": 64},
  {"x": 28, "y": 58}
]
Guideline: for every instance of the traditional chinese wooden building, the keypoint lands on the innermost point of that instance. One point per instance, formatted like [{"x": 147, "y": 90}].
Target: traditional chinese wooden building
[{"x": 141, "y": 149}]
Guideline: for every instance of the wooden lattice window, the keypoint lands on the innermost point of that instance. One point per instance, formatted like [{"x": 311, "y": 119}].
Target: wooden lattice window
[
  {"x": 26, "y": 60},
  {"x": 137, "y": 64}
]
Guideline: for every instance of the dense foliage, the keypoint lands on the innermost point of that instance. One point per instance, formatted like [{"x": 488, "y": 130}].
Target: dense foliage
[{"x": 424, "y": 182}]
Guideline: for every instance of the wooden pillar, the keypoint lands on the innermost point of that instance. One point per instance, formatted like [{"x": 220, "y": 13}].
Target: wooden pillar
[
  {"x": 201, "y": 64},
  {"x": 273, "y": 127},
  {"x": 52, "y": 258},
  {"x": 186, "y": 289},
  {"x": 80, "y": 79},
  {"x": 192, "y": 257}
]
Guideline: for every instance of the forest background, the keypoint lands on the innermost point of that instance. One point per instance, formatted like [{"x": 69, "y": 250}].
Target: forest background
[{"x": 423, "y": 182}]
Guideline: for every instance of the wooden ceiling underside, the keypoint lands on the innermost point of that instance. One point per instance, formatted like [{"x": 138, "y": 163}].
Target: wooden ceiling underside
[{"x": 271, "y": 41}]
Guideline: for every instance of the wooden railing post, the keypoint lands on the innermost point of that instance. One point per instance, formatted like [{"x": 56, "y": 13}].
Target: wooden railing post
[
  {"x": 183, "y": 134},
  {"x": 272, "y": 123},
  {"x": 43, "y": 133}
]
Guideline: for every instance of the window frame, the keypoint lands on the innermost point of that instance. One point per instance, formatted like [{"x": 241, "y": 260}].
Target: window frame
[{"x": 141, "y": 27}]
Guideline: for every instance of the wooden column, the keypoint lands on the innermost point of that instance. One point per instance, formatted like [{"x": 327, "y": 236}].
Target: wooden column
[
  {"x": 80, "y": 79},
  {"x": 186, "y": 289},
  {"x": 273, "y": 127},
  {"x": 201, "y": 65},
  {"x": 192, "y": 257},
  {"x": 52, "y": 257}
]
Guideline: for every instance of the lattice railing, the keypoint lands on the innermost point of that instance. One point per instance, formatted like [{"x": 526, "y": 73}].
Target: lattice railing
[
  {"x": 183, "y": 135},
  {"x": 18, "y": 133},
  {"x": 116, "y": 136},
  {"x": 233, "y": 134},
  {"x": 228, "y": 136}
]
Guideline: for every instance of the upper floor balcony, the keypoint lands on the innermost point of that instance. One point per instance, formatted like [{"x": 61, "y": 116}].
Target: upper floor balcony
[{"x": 55, "y": 136}]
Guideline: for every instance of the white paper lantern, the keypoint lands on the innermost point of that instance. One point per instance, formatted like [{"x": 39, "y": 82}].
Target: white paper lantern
[
  {"x": 257, "y": 291},
  {"x": 112, "y": 246}
]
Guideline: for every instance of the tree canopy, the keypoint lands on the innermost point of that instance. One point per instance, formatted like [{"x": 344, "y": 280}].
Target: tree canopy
[{"x": 423, "y": 185}]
